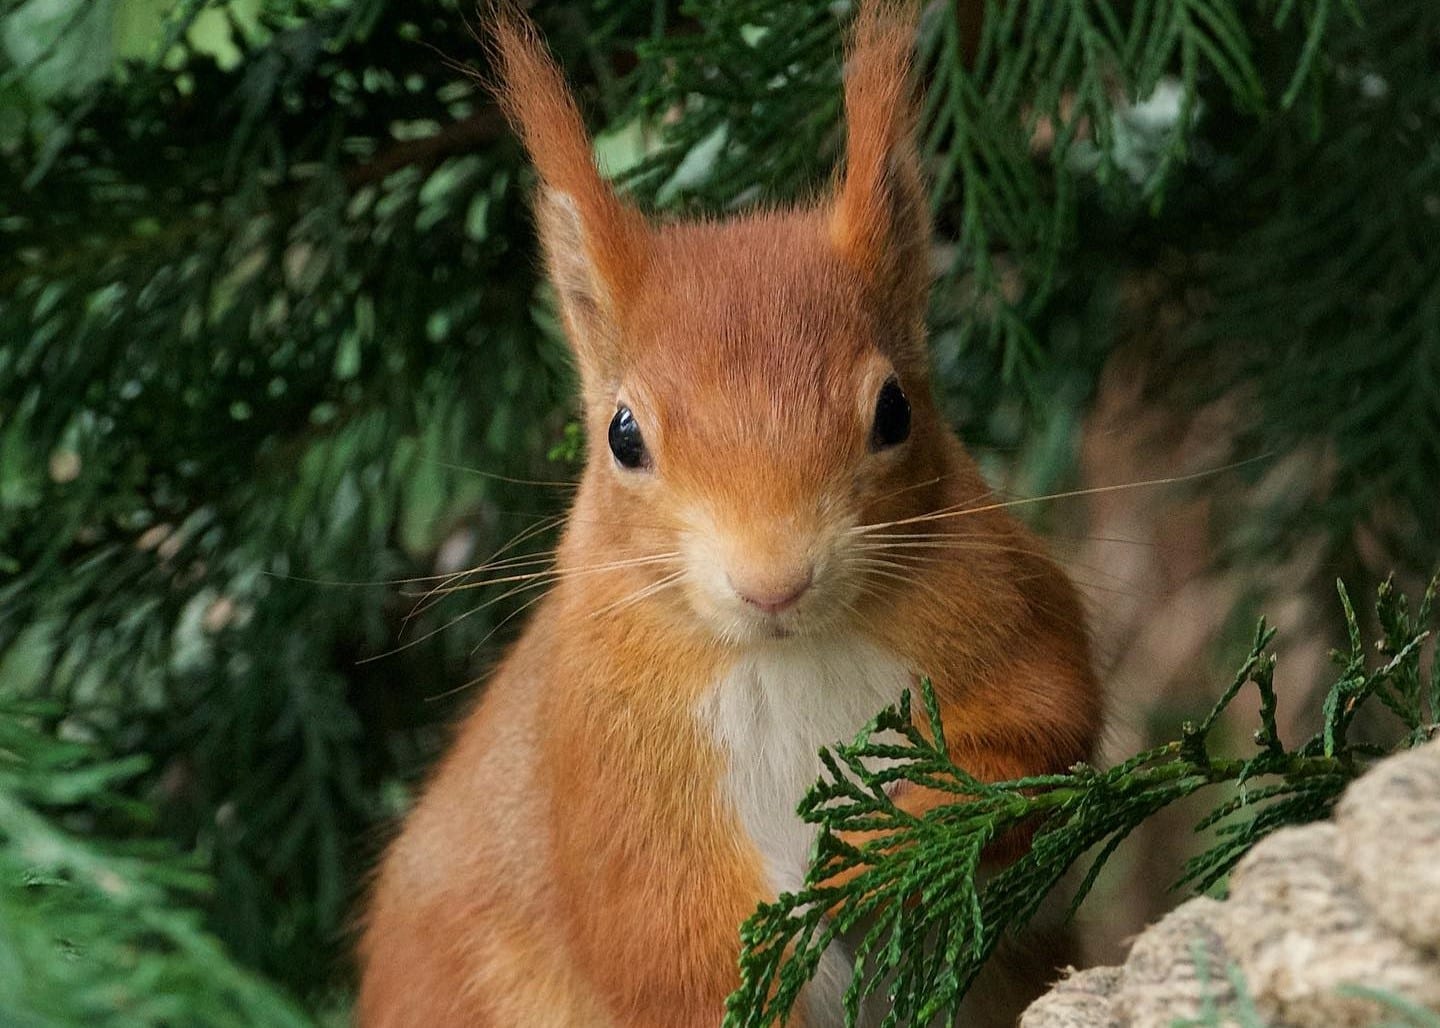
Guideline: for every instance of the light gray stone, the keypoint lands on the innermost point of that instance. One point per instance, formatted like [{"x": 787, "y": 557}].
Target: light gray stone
[
  {"x": 1300, "y": 933},
  {"x": 1177, "y": 969},
  {"x": 1082, "y": 999},
  {"x": 1389, "y": 823}
]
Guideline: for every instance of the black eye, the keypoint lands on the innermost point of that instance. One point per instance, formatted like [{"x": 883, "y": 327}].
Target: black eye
[
  {"x": 626, "y": 442},
  {"x": 892, "y": 417}
]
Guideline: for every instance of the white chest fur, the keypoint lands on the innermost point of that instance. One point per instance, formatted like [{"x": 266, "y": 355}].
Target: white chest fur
[{"x": 772, "y": 712}]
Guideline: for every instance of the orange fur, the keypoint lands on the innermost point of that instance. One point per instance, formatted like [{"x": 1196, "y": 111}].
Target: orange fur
[
  {"x": 577, "y": 858},
  {"x": 880, "y": 218},
  {"x": 539, "y": 105}
]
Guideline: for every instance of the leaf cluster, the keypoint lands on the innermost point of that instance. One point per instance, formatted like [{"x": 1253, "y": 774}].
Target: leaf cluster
[
  {"x": 256, "y": 321},
  {"x": 1325, "y": 301},
  {"x": 908, "y": 897},
  {"x": 103, "y": 931}
]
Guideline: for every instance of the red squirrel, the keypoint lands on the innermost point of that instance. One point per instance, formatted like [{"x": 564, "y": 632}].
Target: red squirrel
[{"x": 774, "y": 535}]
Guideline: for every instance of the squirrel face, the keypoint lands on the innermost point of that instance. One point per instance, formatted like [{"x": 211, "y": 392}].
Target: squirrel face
[
  {"x": 755, "y": 390},
  {"x": 763, "y": 410}
]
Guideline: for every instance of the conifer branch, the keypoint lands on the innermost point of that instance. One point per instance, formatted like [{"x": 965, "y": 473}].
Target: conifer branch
[{"x": 910, "y": 899}]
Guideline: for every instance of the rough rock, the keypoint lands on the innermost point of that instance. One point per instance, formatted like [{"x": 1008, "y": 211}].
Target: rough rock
[
  {"x": 1320, "y": 921},
  {"x": 1082, "y": 999},
  {"x": 1389, "y": 820},
  {"x": 1176, "y": 969},
  {"x": 1301, "y": 934}
]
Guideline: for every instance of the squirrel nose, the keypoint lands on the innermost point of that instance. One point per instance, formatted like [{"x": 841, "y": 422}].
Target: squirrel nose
[{"x": 772, "y": 598}]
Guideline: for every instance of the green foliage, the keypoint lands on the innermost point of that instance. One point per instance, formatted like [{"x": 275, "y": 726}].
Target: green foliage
[
  {"x": 253, "y": 333},
  {"x": 910, "y": 898},
  {"x": 102, "y": 932},
  {"x": 1328, "y": 309}
]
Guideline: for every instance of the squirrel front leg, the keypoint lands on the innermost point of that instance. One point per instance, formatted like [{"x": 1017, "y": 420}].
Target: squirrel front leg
[
  {"x": 650, "y": 878},
  {"x": 659, "y": 945}
]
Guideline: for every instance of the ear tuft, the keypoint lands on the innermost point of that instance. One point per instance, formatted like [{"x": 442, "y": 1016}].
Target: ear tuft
[
  {"x": 594, "y": 243},
  {"x": 881, "y": 220}
]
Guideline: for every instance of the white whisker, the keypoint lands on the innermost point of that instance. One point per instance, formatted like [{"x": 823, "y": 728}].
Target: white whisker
[
  {"x": 640, "y": 594},
  {"x": 560, "y": 574},
  {"x": 960, "y": 509}
]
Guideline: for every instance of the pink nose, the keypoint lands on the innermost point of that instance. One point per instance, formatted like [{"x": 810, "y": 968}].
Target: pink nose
[{"x": 773, "y": 600}]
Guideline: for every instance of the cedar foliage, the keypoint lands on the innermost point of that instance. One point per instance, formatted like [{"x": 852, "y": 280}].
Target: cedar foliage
[
  {"x": 268, "y": 294},
  {"x": 923, "y": 925}
]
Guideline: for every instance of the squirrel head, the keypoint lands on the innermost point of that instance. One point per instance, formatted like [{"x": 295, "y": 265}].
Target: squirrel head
[{"x": 755, "y": 390}]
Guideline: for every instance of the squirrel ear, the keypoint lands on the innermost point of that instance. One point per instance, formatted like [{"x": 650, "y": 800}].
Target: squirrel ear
[
  {"x": 595, "y": 244},
  {"x": 593, "y": 264},
  {"x": 881, "y": 218}
]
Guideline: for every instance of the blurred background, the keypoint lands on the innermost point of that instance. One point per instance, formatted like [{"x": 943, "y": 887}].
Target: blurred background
[{"x": 274, "y": 349}]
